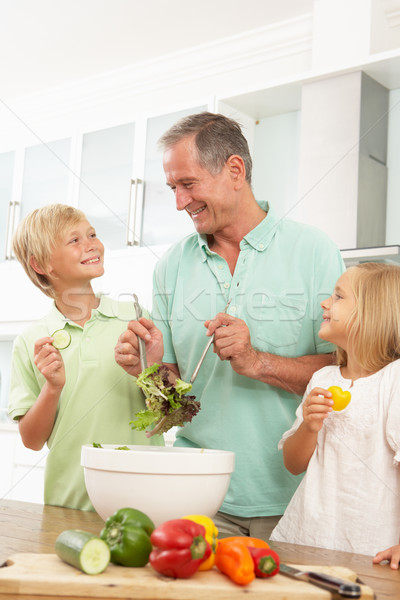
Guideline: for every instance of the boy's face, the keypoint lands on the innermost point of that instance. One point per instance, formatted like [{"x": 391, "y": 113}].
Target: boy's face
[{"x": 77, "y": 257}]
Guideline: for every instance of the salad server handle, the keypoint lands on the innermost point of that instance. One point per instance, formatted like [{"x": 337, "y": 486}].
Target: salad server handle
[
  {"x": 202, "y": 357},
  {"x": 142, "y": 345}
]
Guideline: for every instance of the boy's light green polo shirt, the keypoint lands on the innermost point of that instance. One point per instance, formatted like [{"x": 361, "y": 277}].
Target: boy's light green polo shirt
[
  {"x": 98, "y": 400},
  {"x": 283, "y": 271}
]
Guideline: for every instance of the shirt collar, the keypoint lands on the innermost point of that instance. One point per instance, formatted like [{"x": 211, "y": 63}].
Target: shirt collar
[
  {"x": 56, "y": 320},
  {"x": 258, "y": 238}
]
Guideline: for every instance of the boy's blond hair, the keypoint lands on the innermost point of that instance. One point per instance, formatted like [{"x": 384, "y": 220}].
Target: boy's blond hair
[
  {"x": 36, "y": 237},
  {"x": 374, "y": 326}
]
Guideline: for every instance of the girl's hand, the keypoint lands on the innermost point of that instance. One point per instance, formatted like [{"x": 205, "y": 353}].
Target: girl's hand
[
  {"x": 49, "y": 362},
  {"x": 316, "y": 408},
  {"x": 391, "y": 554}
]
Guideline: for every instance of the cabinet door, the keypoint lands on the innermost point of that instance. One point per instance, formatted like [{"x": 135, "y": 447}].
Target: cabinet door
[
  {"x": 6, "y": 209},
  {"x": 106, "y": 171},
  {"x": 46, "y": 175},
  {"x": 161, "y": 222}
]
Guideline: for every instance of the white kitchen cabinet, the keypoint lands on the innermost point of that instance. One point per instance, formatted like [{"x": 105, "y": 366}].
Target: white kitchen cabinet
[
  {"x": 122, "y": 184},
  {"x": 30, "y": 178},
  {"x": 277, "y": 141},
  {"x": 161, "y": 222},
  {"x": 6, "y": 191},
  {"x": 105, "y": 178},
  {"x": 114, "y": 174},
  {"x": 46, "y": 175}
]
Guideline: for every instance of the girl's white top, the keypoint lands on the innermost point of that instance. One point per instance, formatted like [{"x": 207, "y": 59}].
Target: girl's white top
[{"x": 349, "y": 498}]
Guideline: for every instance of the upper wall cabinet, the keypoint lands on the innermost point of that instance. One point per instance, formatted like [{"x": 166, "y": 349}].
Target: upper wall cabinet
[
  {"x": 114, "y": 175},
  {"x": 6, "y": 208},
  {"x": 161, "y": 223},
  {"x": 122, "y": 184},
  {"x": 31, "y": 178},
  {"x": 46, "y": 175},
  {"x": 105, "y": 178}
]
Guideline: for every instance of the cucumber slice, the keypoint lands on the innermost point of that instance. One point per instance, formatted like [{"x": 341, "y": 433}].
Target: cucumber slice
[
  {"x": 83, "y": 550},
  {"x": 61, "y": 339}
]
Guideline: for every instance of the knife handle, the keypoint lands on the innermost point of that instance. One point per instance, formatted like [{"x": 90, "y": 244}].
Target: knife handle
[{"x": 333, "y": 584}]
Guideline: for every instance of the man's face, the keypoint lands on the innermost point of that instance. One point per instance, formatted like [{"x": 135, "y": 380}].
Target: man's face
[{"x": 208, "y": 199}]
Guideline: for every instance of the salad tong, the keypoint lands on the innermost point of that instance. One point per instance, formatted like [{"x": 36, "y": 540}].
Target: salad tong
[
  {"x": 202, "y": 357},
  {"x": 142, "y": 345}
]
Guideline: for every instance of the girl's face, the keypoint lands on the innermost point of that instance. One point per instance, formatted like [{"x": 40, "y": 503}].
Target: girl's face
[{"x": 337, "y": 311}]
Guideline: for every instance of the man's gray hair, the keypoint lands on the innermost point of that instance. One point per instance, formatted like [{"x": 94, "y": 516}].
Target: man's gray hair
[{"x": 216, "y": 137}]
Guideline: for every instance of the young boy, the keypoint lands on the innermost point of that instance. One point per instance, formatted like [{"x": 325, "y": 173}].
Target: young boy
[{"x": 76, "y": 395}]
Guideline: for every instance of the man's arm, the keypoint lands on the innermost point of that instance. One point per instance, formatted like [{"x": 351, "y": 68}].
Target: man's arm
[
  {"x": 233, "y": 343},
  {"x": 290, "y": 374}
]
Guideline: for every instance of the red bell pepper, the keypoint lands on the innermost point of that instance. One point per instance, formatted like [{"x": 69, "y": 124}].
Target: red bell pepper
[
  {"x": 266, "y": 561},
  {"x": 180, "y": 548}
]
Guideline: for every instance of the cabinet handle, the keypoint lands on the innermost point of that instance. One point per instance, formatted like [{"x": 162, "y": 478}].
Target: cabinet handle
[
  {"x": 10, "y": 229},
  {"x": 131, "y": 233}
]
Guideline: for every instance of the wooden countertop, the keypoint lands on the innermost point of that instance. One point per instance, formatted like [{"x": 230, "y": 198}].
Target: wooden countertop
[{"x": 27, "y": 527}]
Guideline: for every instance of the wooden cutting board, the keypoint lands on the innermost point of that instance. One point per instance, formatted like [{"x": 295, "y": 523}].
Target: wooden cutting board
[{"x": 46, "y": 574}]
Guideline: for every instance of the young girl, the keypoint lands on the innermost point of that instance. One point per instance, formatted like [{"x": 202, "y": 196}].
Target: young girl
[{"x": 349, "y": 498}]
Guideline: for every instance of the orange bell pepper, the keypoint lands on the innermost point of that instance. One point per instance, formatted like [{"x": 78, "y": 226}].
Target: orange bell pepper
[
  {"x": 233, "y": 558},
  {"x": 248, "y": 541},
  {"x": 211, "y": 537}
]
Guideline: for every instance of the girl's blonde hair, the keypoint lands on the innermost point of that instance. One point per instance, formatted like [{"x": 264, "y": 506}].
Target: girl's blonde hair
[
  {"x": 374, "y": 326},
  {"x": 36, "y": 237}
]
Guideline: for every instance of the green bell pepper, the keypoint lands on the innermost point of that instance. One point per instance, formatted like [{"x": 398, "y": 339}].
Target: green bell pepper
[{"x": 127, "y": 534}]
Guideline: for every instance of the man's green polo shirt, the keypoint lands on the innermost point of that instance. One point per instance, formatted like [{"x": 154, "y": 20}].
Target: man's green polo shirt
[
  {"x": 97, "y": 402},
  {"x": 283, "y": 271}
]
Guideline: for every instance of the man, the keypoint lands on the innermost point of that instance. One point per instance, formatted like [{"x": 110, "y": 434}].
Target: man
[{"x": 274, "y": 273}]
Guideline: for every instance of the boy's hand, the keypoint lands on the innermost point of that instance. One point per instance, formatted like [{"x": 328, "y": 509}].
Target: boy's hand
[
  {"x": 127, "y": 349},
  {"x": 391, "y": 554},
  {"x": 49, "y": 362},
  {"x": 316, "y": 408}
]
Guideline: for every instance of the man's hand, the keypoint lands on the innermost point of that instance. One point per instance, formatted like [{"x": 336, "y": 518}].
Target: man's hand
[
  {"x": 49, "y": 362},
  {"x": 232, "y": 342},
  {"x": 127, "y": 349}
]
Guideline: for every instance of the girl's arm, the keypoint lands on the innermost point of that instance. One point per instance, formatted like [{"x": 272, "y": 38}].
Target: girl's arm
[
  {"x": 299, "y": 447},
  {"x": 37, "y": 424}
]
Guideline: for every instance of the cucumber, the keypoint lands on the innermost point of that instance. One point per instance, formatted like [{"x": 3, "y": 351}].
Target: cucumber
[
  {"x": 61, "y": 339},
  {"x": 83, "y": 550}
]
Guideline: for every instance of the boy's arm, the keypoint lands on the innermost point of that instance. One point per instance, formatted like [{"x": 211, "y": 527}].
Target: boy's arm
[
  {"x": 299, "y": 447},
  {"x": 36, "y": 425}
]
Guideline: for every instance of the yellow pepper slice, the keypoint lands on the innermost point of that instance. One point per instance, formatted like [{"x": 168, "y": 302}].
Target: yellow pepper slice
[{"x": 211, "y": 537}]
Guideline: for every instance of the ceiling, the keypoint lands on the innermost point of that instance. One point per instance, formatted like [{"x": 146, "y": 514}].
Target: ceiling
[{"x": 48, "y": 43}]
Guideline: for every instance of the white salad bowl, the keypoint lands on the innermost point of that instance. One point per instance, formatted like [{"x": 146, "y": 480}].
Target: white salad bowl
[{"x": 163, "y": 482}]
